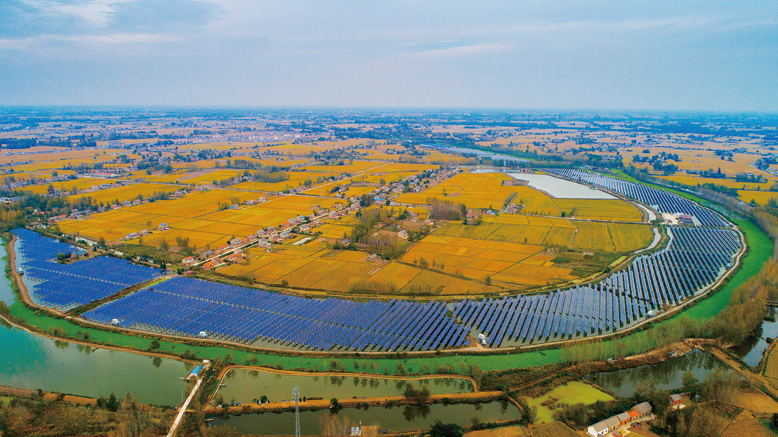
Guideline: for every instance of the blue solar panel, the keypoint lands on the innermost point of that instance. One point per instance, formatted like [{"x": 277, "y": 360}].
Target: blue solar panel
[{"x": 68, "y": 286}]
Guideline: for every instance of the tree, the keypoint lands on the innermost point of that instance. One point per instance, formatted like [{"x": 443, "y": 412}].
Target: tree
[
  {"x": 417, "y": 397},
  {"x": 335, "y": 405},
  {"x": 163, "y": 245},
  {"x": 688, "y": 380},
  {"x": 446, "y": 430},
  {"x": 112, "y": 403}
]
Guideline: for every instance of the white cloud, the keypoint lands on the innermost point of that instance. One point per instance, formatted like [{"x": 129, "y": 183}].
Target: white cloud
[
  {"x": 465, "y": 50},
  {"x": 96, "y": 13},
  {"x": 108, "y": 39}
]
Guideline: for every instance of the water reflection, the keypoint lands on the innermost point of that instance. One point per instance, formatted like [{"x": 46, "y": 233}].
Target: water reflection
[
  {"x": 752, "y": 350},
  {"x": 397, "y": 419},
  {"x": 666, "y": 375},
  {"x": 243, "y": 385}
]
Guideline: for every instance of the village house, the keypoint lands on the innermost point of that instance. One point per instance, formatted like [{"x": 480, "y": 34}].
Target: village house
[{"x": 639, "y": 412}]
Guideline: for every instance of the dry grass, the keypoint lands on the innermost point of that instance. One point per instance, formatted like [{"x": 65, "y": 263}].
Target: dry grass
[
  {"x": 552, "y": 429},
  {"x": 503, "y": 431}
]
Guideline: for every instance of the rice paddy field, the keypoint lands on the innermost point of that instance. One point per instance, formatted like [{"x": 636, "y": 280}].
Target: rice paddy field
[
  {"x": 315, "y": 266},
  {"x": 294, "y": 179},
  {"x": 694, "y": 159},
  {"x": 694, "y": 180},
  {"x": 759, "y": 197},
  {"x": 208, "y": 218},
  {"x": 68, "y": 185},
  {"x": 126, "y": 192},
  {"x": 494, "y": 191}
]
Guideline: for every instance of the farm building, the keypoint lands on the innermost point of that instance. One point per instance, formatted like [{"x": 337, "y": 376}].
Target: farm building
[{"x": 639, "y": 412}]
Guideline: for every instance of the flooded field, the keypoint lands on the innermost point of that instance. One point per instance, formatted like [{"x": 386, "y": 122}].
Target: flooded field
[{"x": 245, "y": 385}]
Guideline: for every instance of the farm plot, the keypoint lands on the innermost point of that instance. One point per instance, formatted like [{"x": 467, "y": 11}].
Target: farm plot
[
  {"x": 476, "y": 190},
  {"x": 295, "y": 179},
  {"x": 572, "y": 234},
  {"x": 485, "y": 261},
  {"x": 309, "y": 266},
  {"x": 184, "y": 217},
  {"x": 758, "y": 197},
  {"x": 494, "y": 190},
  {"x": 352, "y": 167},
  {"x": 68, "y": 186},
  {"x": 211, "y": 177},
  {"x": 273, "y": 212},
  {"x": 315, "y": 266},
  {"x": 237, "y": 161},
  {"x": 117, "y": 195},
  {"x": 367, "y": 180},
  {"x": 694, "y": 180}
]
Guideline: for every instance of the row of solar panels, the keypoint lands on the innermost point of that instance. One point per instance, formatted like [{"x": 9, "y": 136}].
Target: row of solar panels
[
  {"x": 191, "y": 307},
  {"x": 662, "y": 200},
  {"x": 67, "y": 286},
  {"x": 693, "y": 260}
]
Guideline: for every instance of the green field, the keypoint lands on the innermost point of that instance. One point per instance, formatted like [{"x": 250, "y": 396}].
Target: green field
[{"x": 571, "y": 393}]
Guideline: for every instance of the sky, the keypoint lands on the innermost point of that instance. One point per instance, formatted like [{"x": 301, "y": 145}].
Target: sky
[{"x": 705, "y": 55}]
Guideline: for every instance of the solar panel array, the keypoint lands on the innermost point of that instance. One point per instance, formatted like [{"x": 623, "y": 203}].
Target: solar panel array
[
  {"x": 187, "y": 306},
  {"x": 661, "y": 200},
  {"x": 694, "y": 258},
  {"x": 67, "y": 286}
]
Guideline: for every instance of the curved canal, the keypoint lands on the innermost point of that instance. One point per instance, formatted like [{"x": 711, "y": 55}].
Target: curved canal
[{"x": 33, "y": 362}]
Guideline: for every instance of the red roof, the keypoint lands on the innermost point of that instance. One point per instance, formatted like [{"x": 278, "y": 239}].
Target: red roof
[{"x": 633, "y": 413}]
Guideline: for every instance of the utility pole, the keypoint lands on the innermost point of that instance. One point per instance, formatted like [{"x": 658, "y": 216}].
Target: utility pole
[{"x": 296, "y": 394}]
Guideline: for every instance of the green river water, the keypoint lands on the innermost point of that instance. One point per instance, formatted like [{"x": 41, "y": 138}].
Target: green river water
[
  {"x": 246, "y": 385},
  {"x": 31, "y": 361}
]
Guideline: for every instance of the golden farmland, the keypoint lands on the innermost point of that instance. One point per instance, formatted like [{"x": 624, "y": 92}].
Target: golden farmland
[
  {"x": 298, "y": 216},
  {"x": 125, "y": 193},
  {"x": 489, "y": 191},
  {"x": 68, "y": 185}
]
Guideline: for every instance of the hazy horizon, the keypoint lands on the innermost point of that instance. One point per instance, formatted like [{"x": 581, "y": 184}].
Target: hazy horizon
[{"x": 644, "y": 56}]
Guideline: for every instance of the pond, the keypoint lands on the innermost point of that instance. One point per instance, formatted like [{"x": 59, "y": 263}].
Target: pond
[
  {"x": 560, "y": 188},
  {"x": 396, "y": 419},
  {"x": 752, "y": 350},
  {"x": 33, "y": 362},
  {"x": 244, "y": 385},
  {"x": 666, "y": 375}
]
